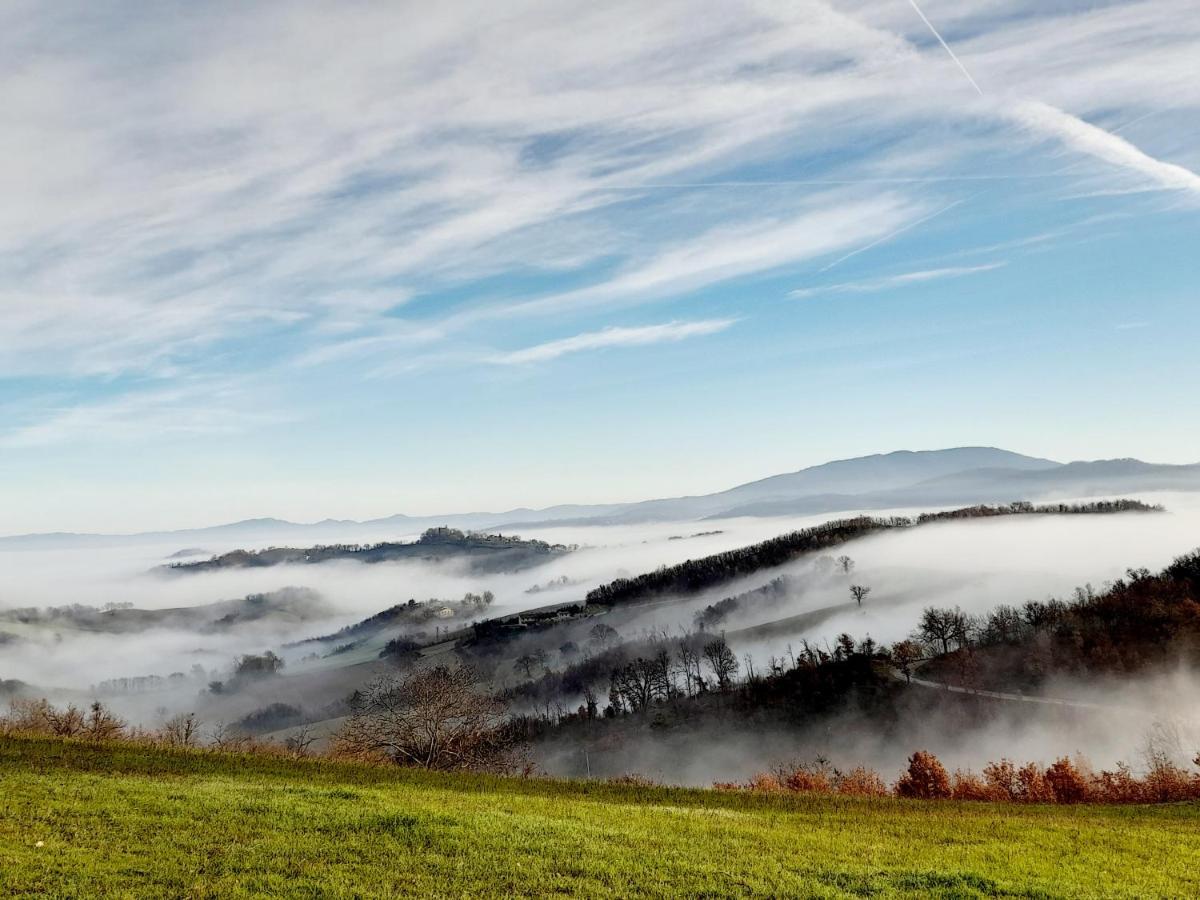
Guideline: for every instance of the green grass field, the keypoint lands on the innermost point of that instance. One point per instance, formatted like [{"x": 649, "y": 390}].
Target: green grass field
[{"x": 127, "y": 821}]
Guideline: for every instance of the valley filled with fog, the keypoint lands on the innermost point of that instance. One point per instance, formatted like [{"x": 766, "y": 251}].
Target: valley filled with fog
[{"x": 168, "y": 660}]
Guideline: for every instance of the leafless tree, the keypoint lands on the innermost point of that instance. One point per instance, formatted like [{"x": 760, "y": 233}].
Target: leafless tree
[
  {"x": 724, "y": 664},
  {"x": 590, "y": 704},
  {"x": 859, "y": 592},
  {"x": 182, "y": 730},
  {"x": 100, "y": 724},
  {"x": 689, "y": 661},
  {"x": 846, "y": 564},
  {"x": 602, "y": 636},
  {"x": 228, "y": 739},
  {"x": 431, "y": 719},
  {"x": 67, "y": 722},
  {"x": 643, "y": 680},
  {"x": 300, "y": 741},
  {"x": 939, "y": 628}
]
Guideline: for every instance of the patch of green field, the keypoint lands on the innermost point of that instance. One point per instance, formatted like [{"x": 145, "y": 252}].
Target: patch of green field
[{"x": 128, "y": 821}]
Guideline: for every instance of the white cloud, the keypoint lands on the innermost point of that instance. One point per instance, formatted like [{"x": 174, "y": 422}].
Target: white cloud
[
  {"x": 883, "y": 283},
  {"x": 188, "y": 410},
  {"x": 639, "y": 336},
  {"x": 1084, "y": 137},
  {"x": 177, "y": 184},
  {"x": 830, "y": 223}
]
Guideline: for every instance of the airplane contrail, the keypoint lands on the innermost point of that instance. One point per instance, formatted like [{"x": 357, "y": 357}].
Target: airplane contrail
[
  {"x": 942, "y": 41},
  {"x": 890, "y": 235},
  {"x": 818, "y": 182}
]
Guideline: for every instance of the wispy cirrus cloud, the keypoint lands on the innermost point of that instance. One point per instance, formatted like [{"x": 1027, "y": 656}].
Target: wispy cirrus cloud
[
  {"x": 194, "y": 409},
  {"x": 1046, "y": 120},
  {"x": 349, "y": 186},
  {"x": 638, "y": 336},
  {"x": 886, "y": 282}
]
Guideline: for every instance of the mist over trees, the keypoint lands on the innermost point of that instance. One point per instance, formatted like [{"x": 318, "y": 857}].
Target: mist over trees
[
  {"x": 1141, "y": 620},
  {"x": 696, "y": 575}
]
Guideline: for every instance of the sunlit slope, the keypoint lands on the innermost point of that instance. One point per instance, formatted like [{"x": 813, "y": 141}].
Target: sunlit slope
[{"x": 137, "y": 822}]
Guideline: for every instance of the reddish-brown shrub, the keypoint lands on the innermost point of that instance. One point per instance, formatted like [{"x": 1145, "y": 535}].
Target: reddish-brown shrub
[
  {"x": 807, "y": 778},
  {"x": 764, "y": 783},
  {"x": 925, "y": 778},
  {"x": 1002, "y": 780},
  {"x": 861, "y": 782},
  {"x": 966, "y": 785},
  {"x": 1067, "y": 784},
  {"x": 1119, "y": 786},
  {"x": 1033, "y": 786},
  {"x": 1167, "y": 783}
]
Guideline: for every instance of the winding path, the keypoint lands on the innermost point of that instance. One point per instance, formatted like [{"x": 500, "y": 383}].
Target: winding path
[{"x": 1004, "y": 695}]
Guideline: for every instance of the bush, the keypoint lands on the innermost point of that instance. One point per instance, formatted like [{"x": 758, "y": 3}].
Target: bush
[
  {"x": 966, "y": 785},
  {"x": 1066, "y": 782},
  {"x": 925, "y": 778}
]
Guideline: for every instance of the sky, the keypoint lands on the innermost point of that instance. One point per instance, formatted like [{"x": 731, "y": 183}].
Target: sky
[{"x": 350, "y": 259}]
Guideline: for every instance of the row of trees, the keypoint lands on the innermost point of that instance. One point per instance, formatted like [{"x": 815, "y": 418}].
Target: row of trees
[
  {"x": 699, "y": 664},
  {"x": 1065, "y": 780},
  {"x": 1024, "y": 508},
  {"x": 97, "y": 723},
  {"x": 1122, "y": 628},
  {"x": 696, "y": 575}
]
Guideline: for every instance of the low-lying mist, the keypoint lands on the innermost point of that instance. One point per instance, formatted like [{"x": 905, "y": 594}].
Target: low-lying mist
[{"x": 974, "y": 564}]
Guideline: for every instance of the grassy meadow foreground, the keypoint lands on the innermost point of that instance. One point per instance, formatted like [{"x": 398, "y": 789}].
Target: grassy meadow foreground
[{"x": 122, "y": 820}]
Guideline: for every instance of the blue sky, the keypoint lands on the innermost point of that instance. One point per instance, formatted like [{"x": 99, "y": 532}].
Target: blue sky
[{"x": 346, "y": 260}]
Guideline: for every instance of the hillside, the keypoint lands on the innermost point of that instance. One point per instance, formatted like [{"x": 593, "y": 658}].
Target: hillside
[
  {"x": 694, "y": 575},
  {"x": 286, "y": 605},
  {"x": 480, "y": 552},
  {"x": 82, "y": 820}
]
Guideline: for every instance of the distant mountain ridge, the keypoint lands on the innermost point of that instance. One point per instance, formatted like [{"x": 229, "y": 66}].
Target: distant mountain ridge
[{"x": 953, "y": 476}]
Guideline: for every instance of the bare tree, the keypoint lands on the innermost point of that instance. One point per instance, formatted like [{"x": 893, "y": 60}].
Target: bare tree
[
  {"x": 182, "y": 730},
  {"x": 938, "y": 627},
  {"x": 602, "y": 636},
  {"x": 724, "y": 664},
  {"x": 67, "y": 722},
  {"x": 300, "y": 741},
  {"x": 635, "y": 683},
  {"x": 846, "y": 564},
  {"x": 100, "y": 724},
  {"x": 431, "y": 719},
  {"x": 226, "y": 738},
  {"x": 689, "y": 661},
  {"x": 590, "y": 704},
  {"x": 904, "y": 654},
  {"x": 859, "y": 593}
]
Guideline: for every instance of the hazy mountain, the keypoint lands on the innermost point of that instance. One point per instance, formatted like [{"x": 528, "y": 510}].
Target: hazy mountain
[
  {"x": 864, "y": 474},
  {"x": 953, "y": 476},
  {"x": 996, "y": 485}
]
